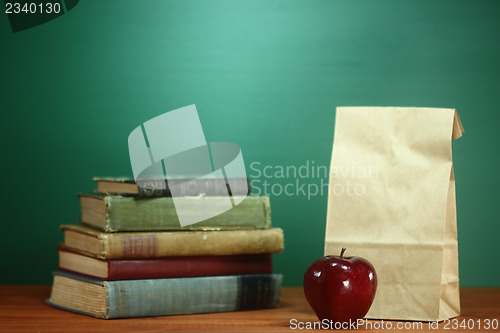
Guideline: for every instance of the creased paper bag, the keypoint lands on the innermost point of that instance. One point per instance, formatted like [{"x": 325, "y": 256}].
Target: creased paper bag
[{"x": 392, "y": 201}]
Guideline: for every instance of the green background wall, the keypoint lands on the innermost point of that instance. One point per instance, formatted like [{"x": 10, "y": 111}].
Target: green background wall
[{"x": 264, "y": 74}]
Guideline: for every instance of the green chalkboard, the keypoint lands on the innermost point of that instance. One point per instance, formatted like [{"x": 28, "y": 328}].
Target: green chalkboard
[{"x": 266, "y": 75}]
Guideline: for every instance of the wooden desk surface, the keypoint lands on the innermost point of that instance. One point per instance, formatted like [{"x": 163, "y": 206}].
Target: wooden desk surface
[{"x": 23, "y": 309}]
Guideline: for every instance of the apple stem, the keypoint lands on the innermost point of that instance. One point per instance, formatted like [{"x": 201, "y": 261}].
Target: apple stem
[{"x": 342, "y": 253}]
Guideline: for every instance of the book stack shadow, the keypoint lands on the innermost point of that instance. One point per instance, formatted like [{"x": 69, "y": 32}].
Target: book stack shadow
[{"x": 129, "y": 256}]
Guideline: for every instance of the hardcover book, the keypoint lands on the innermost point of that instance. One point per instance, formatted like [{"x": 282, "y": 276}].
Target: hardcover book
[
  {"x": 189, "y": 187},
  {"x": 119, "y": 213},
  {"x": 121, "y": 245},
  {"x": 166, "y": 267},
  {"x": 164, "y": 297}
]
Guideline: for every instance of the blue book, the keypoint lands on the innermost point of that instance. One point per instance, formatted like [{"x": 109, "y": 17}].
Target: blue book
[{"x": 164, "y": 297}]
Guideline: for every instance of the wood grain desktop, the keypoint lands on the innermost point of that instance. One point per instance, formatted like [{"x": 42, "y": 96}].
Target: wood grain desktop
[{"x": 23, "y": 309}]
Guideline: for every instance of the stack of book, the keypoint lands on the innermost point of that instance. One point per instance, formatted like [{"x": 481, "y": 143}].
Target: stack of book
[{"x": 129, "y": 257}]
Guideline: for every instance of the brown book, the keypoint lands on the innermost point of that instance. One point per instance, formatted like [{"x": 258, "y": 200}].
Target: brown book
[
  {"x": 188, "y": 187},
  {"x": 116, "y": 185},
  {"x": 104, "y": 245}
]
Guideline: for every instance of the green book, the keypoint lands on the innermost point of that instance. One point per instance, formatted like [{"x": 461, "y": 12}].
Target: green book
[
  {"x": 164, "y": 297},
  {"x": 112, "y": 213}
]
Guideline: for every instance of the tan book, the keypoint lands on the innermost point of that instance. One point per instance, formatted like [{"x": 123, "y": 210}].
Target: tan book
[{"x": 104, "y": 245}]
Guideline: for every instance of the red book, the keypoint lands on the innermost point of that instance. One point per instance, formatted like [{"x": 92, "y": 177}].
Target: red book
[{"x": 165, "y": 267}]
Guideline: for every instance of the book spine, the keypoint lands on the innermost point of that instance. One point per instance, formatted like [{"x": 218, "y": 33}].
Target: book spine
[
  {"x": 196, "y": 243},
  {"x": 106, "y": 247},
  {"x": 194, "y": 187},
  {"x": 175, "y": 267},
  {"x": 164, "y": 297},
  {"x": 155, "y": 214}
]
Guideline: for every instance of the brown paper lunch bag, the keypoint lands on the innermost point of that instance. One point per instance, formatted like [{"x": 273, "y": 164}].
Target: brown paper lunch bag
[{"x": 392, "y": 201}]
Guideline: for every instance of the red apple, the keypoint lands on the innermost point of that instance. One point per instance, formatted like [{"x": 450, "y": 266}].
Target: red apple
[{"x": 340, "y": 289}]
